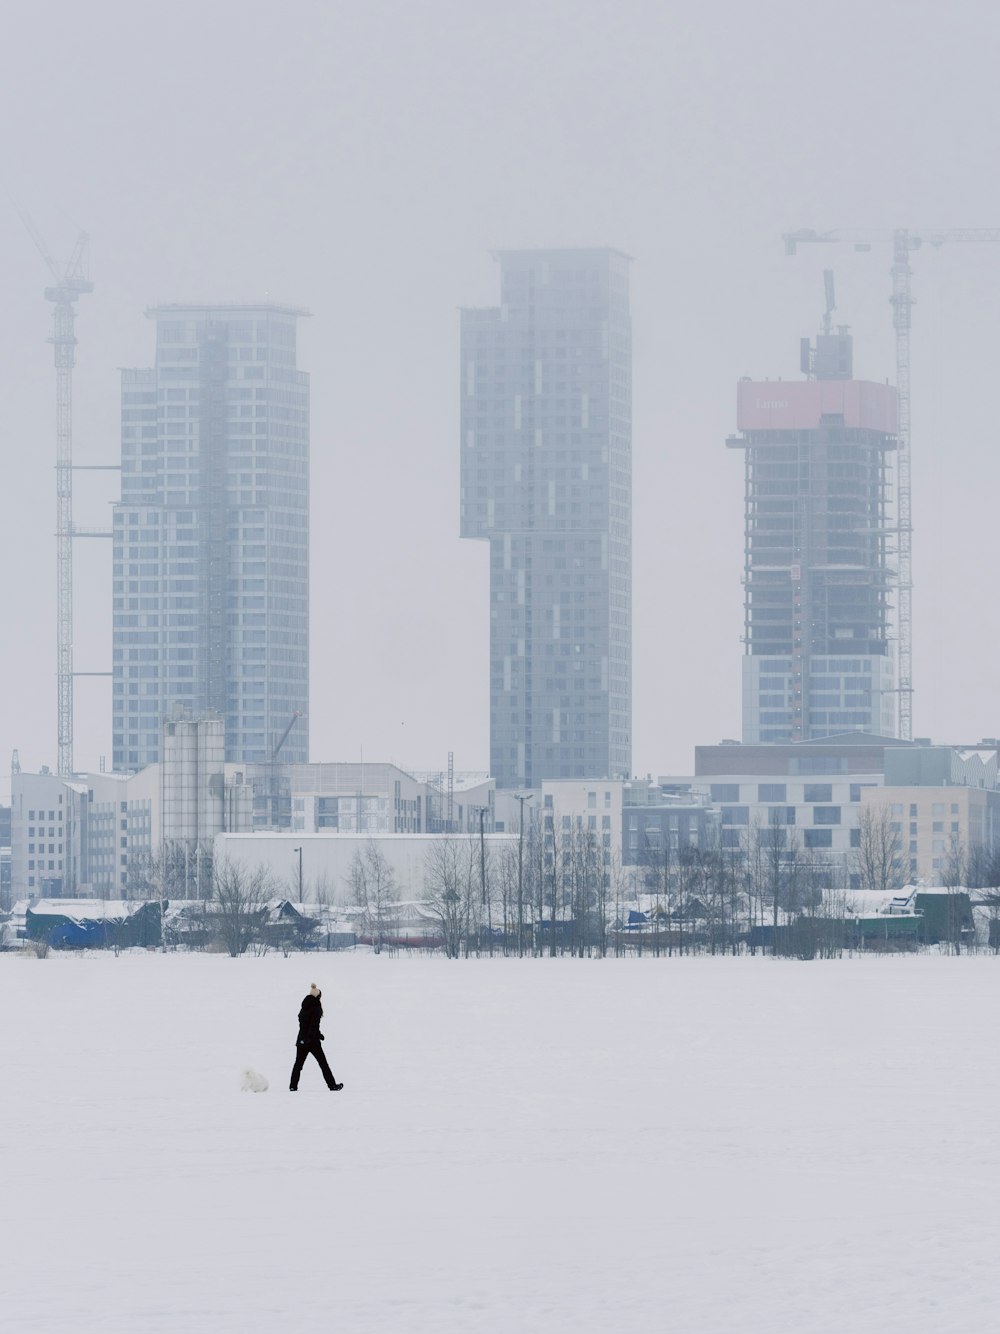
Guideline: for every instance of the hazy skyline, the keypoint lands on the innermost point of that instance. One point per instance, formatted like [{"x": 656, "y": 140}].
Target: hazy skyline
[{"x": 364, "y": 162}]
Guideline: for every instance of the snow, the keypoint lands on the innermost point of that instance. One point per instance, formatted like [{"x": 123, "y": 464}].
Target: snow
[
  {"x": 86, "y": 910},
  {"x": 688, "y": 1145}
]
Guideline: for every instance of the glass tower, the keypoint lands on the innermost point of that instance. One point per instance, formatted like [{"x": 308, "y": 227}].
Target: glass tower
[
  {"x": 546, "y": 479},
  {"x": 211, "y": 536}
]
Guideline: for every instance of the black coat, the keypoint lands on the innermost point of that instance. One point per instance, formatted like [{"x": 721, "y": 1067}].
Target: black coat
[{"x": 309, "y": 1017}]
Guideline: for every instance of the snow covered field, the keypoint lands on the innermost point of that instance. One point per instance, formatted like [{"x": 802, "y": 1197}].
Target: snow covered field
[{"x": 684, "y": 1145}]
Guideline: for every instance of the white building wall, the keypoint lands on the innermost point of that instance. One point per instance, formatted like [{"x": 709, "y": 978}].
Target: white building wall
[
  {"x": 327, "y": 858},
  {"x": 44, "y": 835},
  {"x": 98, "y": 822},
  {"x": 590, "y": 805}
]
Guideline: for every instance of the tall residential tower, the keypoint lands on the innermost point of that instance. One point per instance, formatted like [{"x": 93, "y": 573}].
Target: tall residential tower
[
  {"x": 211, "y": 537},
  {"x": 817, "y": 580},
  {"x": 546, "y": 452}
]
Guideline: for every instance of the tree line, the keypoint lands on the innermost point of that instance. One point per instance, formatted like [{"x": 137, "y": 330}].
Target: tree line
[{"x": 559, "y": 889}]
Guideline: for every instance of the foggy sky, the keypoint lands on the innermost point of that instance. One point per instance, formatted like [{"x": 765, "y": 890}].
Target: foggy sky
[{"x": 363, "y": 160}]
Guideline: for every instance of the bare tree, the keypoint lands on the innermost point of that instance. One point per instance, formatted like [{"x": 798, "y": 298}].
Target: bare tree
[
  {"x": 775, "y": 839},
  {"x": 239, "y": 905},
  {"x": 322, "y": 893},
  {"x": 507, "y": 878},
  {"x": 375, "y": 890},
  {"x": 953, "y": 877},
  {"x": 755, "y": 872},
  {"x": 449, "y": 875},
  {"x": 983, "y": 866},
  {"x": 877, "y": 857},
  {"x": 983, "y": 875},
  {"x": 620, "y": 885}
]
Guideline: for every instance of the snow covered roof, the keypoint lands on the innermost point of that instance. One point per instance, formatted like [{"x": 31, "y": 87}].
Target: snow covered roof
[{"x": 90, "y": 910}]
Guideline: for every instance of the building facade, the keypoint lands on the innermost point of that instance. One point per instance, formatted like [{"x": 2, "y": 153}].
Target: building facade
[
  {"x": 941, "y": 804},
  {"x": 664, "y": 824},
  {"x": 78, "y": 837},
  {"x": 546, "y": 435},
  {"x": 370, "y": 798},
  {"x": 211, "y": 536},
  {"x": 817, "y": 657},
  {"x": 803, "y": 797}
]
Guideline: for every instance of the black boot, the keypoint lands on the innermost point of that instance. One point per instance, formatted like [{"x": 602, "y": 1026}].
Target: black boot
[{"x": 335, "y": 1087}]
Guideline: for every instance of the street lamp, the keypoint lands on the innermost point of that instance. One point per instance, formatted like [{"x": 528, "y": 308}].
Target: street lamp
[
  {"x": 482, "y": 872},
  {"x": 299, "y": 851},
  {"x": 520, "y": 870}
]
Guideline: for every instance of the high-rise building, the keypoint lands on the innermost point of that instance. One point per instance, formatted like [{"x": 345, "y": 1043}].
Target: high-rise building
[
  {"x": 211, "y": 536},
  {"x": 817, "y": 653},
  {"x": 546, "y": 451}
]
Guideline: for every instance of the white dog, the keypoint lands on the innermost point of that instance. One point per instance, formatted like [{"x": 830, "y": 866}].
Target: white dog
[{"x": 253, "y": 1082}]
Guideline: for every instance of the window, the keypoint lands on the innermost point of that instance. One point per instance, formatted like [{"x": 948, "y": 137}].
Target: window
[
  {"x": 855, "y": 838},
  {"x": 819, "y": 838},
  {"x": 772, "y": 792},
  {"x": 858, "y": 788},
  {"x": 826, "y": 815},
  {"x": 780, "y": 815},
  {"x": 735, "y": 815},
  {"x": 818, "y": 792},
  {"x": 725, "y": 791}
]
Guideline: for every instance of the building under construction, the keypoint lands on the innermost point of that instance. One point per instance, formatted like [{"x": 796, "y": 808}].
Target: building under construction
[{"x": 817, "y": 580}]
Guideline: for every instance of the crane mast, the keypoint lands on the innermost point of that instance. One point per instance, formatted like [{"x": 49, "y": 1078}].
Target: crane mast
[
  {"x": 903, "y": 241},
  {"x": 902, "y": 302},
  {"x": 70, "y": 283}
]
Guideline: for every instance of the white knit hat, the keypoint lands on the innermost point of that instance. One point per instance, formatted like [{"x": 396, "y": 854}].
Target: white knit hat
[{"x": 314, "y": 990}]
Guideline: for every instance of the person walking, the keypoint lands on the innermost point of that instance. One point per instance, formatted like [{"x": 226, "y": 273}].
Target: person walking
[{"x": 309, "y": 1041}]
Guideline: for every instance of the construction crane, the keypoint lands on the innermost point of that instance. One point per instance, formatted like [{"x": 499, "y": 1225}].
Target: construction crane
[
  {"x": 273, "y": 793},
  {"x": 70, "y": 282},
  {"x": 904, "y": 241}
]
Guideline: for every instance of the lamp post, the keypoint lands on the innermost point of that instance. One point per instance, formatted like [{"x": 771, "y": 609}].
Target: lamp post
[
  {"x": 482, "y": 873},
  {"x": 299, "y": 851},
  {"x": 520, "y": 870}
]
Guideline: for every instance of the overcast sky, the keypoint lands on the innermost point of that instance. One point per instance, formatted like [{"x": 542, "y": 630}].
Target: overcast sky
[{"x": 363, "y": 160}]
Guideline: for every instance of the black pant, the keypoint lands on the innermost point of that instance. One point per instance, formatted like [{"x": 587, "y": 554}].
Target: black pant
[{"x": 301, "y": 1052}]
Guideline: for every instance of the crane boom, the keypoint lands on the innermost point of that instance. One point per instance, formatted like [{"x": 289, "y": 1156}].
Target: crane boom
[{"x": 284, "y": 736}]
